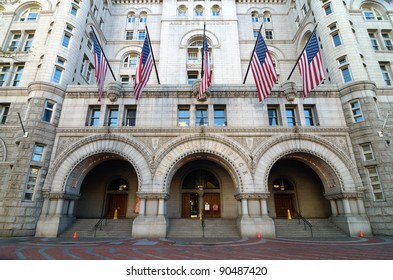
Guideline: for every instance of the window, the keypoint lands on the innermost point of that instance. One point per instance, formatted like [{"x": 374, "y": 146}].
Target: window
[
  {"x": 58, "y": 71},
  {"x": 95, "y": 11},
  {"x": 124, "y": 80},
  {"x": 15, "y": 41},
  {"x": 201, "y": 116},
  {"x": 367, "y": 152},
  {"x": 4, "y": 110},
  {"x": 113, "y": 116},
  {"x": 387, "y": 41},
  {"x": 191, "y": 77},
  {"x": 143, "y": 17},
  {"x": 385, "y": 70},
  {"x": 254, "y": 17},
  {"x": 94, "y": 116},
  {"x": 131, "y": 17},
  {"x": 219, "y": 115},
  {"x": 269, "y": 34},
  {"x": 199, "y": 11},
  {"x": 89, "y": 72},
  {"x": 38, "y": 152},
  {"x": 344, "y": 68},
  {"x": 328, "y": 9},
  {"x": 130, "y": 61},
  {"x": 374, "y": 41},
  {"x": 370, "y": 13},
  {"x": 31, "y": 14},
  {"x": 141, "y": 35},
  {"x": 28, "y": 42},
  {"x": 17, "y": 75},
  {"x": 182, "y": 10},
  {"x": 48, "y": 111},
  {"x": 216, "y": 10},
  {"x": 256, "y": 33},
  {"x": 66, "y": 39},
  {"x": 375, "y": 182},
  {"x": 266, "y": 17},
  {"x": 273, "y": 115},
  {"x": 74, "y": 9},
  {"x": 31, "y": 183},
  {"x": 183, "y": 115},
  {"x": 336, "y": 39},
  {"x": 130, "y": 117},
  {"x": 304, "y": 10},
  {"x": 4, "y": 71},
  {"x": 129, "y": 35},
  {"x": 309, "y": 115},
  {"x": 290, "y": 113},
  {"x": 192, "y": 56},
  {"x": 356, "y": 111},
  {"x": 101, "y": 23}
]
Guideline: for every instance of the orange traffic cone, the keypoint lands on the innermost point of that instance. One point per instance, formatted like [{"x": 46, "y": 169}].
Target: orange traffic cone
[
  {"x": 361, "y": 233},
  {"x": 75, "y": 235},
  {"x": 259, "y": 235}
]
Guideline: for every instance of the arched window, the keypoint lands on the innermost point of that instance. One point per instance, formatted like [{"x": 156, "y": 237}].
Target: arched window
[
  {"x": 131, "y": 17},
  {"x": 131, "y": 60},
  {"x": 266, "y": 17},
  {"x": 200, "y": 179},
  {"x": 182, "y": 10},
  {"x": 118, "y": 185},
  {"x": 371, "y": 12},
  {"x": 254, "y": 16},
  {"x": 216, "y": 10},
  {"x": 30, "y": 14},
  {"x": 199, "y": 10},
  {"x": 143, "y": 17}
]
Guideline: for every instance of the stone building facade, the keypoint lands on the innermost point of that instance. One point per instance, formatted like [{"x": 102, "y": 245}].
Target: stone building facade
[{"x": 65, "y": 156}]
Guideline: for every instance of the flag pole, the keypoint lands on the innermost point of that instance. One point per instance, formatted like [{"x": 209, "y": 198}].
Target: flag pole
[
  {"x": 252, "y": 54},
  {"x": 203, "y": 48},
  {"x": 98, "y": 42},
  {"x": 152, "y": 54},
  {"x": 297, "y": 61}
]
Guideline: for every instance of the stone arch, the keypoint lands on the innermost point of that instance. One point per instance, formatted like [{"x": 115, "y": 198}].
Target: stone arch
[
  {"x": 356, "y": 4},
  {"x": 71, "y": 162},
  {"x": 3, "y": 151},
  {"x": 304, "y": 36},
  {"x": 184, "y": 41},
  {"x": 227, "y": 153},
  {"x": 337, "y": 170}
]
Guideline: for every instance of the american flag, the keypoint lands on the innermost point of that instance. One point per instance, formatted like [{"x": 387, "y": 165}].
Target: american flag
[
  {"x": 206, "y": 79},
  {"x": 143, "y": 70},
  {"x": 262, "y": 68},
  {"x": 100, "y": 66},
  {"x": 310, "y": 66}
]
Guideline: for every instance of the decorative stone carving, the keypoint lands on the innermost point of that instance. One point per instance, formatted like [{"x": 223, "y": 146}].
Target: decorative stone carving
[
  {"x": 290, "y": 91},
  {"x": 114, "y": 91}
]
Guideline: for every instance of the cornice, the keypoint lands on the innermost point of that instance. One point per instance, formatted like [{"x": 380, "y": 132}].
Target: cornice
[
  {"x": 114, "y": 2},
  {"x": 262, "y": 1}
]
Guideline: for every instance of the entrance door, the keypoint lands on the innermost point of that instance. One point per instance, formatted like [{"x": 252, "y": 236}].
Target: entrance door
[
  {"x": 119, "y": 202},
  {"x": 213, "y": 200},
  {"x": 190, "y": 205},
  {"x": 283, "y": 202}
]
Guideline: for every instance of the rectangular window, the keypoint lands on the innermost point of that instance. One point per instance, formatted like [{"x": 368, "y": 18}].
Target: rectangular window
[
  {"x": 291, "y": 118},
  {"x": 4, "y": 71},
  {"x": 14, "y": 44},
  {"x": 369, "y": 15},
  {"x": 385, "y": 70},
  {"x": 387, "y": 41},
  {"x": 356, "y": 111},
  {"x": 269, "y": 34},
  {"x": 346, "y": 74},
  {"x": 201, "y": 116},
  {"x": 38, "y": 152},
  {"x": 94, "y": 116},
  {"x": 129, "y": 35},
  {"x": 183, "y": 115},
  {"x": 125, "y": 80},
  {"x": 273, "y": 115},
  {"x": 375, "y": 183},
  {"x": 328, "y": 9},
  {"x": 48, "y": 111},
  {"x": 66, "y": 40},
  {"x": 374, "y": 41},
  {"x": 130, "y": 117},
  {"x": 191, "y": 77},
  {"x": 29, "y": 42},
  {"x": 309, "y": 115},
  {"x": 220, "y": 115},
  {"x": 31, "y": 183},
  {"x": 74, "y": 9},
  {"x": 367, "y": 152},
  {"x": 192, "y": 57},
  {"x": 336, "y": 39},
  {"x": 256, "y": 32},
  {"x": 113, "y": 116},
  {"x": 57, "y": 72},
  {"x": 17, "y": 75},
  {"x": 89, "y": 72},
  {"x": 141, "y": 35},
  {"x": 4, "y": 110}
]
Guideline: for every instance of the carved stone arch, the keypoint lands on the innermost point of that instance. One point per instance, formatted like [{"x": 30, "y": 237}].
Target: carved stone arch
[
  {"x": 356, "y": 4},
  {"x": 185, "y": 40},
  {"x": 72, "y": 159},
  {"x": 254, "y": 9},
  {"x": 3, "y": 151},
  {"x": 123, "y": 52},
  {"x": 340, "y": 175},
  {"x": 144, "y": 9},
  {"x": 210, "y": 148}
]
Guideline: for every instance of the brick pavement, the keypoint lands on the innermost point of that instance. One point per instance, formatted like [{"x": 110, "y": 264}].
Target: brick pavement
[{"x": 30, "y": 248}]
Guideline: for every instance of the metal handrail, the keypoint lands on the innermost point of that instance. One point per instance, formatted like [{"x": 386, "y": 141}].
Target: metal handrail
[
  {"x": 99, "y": 224},
  {"x": 305, "y": 222}
]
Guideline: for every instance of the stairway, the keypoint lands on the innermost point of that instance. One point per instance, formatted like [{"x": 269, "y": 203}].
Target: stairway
[
  {"x": 191, "y": 229},
  {"x": 112, "y": 228},
  {"x": 321, "y": 228}
]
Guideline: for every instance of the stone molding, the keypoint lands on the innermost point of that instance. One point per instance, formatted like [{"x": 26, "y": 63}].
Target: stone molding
[
  {"x": 151, "y": 195},
  {"x": 345, "y": 195},
  {"x": 256, "y": 196}
]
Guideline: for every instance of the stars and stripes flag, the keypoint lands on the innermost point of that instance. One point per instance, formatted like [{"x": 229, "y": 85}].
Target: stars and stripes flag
[
  {"x": 310, "y": 65},
  {"x": 262, "y": 68},
  {"x": 100, "y": 66},
  {"x": 206, "y": 78},
  {"x": 144, "y": 68}
]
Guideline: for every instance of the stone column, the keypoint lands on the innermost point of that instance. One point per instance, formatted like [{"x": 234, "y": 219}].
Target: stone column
[
  {"x": 71, "y": 207},
  {"x": 347, "y": 208},
  {"x": 333, "y": 207},
  {"x": 142, "y": 207},
  {"x": 264, "y": 207},
  {"x": 59, "y": 207},
  {"x": 161, "y": 207}
]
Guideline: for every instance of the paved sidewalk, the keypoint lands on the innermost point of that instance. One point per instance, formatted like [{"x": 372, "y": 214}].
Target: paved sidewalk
[{"x": 30, "y": 248}]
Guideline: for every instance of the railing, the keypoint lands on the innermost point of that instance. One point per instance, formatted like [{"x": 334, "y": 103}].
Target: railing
[
  {"x": 305, "y": 222},
  {"x": 99, "y": 225}
]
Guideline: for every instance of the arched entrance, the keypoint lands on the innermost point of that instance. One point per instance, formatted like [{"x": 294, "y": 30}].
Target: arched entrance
[{"x": 297, "y": 187}]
